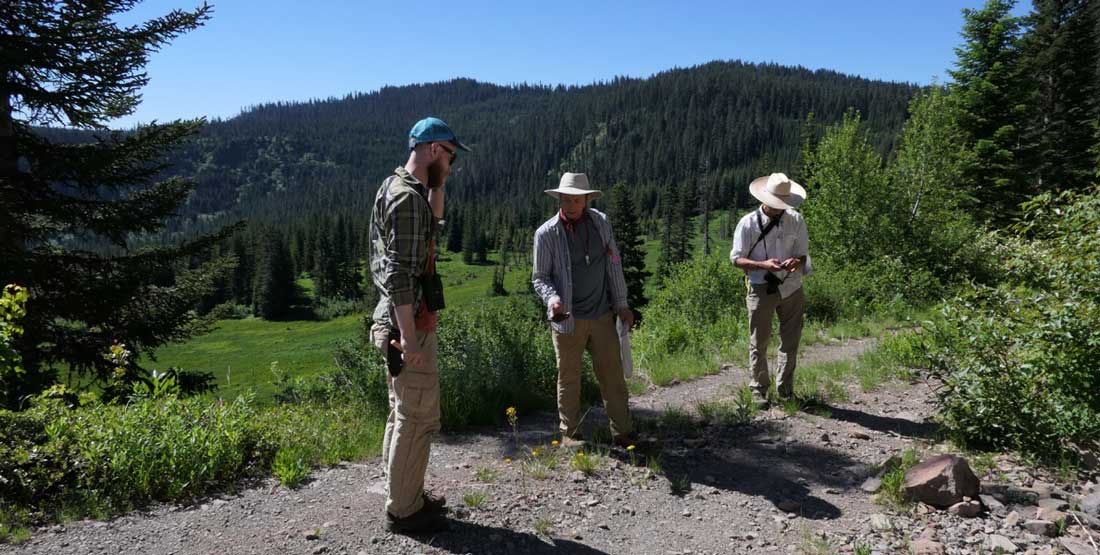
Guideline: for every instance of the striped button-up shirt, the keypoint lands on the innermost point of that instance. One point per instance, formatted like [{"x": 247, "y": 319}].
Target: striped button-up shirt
[
  {"x": 400, "y": 228},
  {"x": 552, "y": 274}
]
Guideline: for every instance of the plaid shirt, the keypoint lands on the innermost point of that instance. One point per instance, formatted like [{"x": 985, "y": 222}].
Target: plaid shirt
[{"x": 401, "y": 225}]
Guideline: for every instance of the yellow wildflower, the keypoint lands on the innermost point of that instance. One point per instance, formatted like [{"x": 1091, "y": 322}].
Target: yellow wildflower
[
  {"x": 629, "y": 447},
  {"x": 554, "y": 443}
]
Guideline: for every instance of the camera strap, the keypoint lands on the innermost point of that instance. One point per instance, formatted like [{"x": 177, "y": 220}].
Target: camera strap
[{"x": 763, "y": 233}]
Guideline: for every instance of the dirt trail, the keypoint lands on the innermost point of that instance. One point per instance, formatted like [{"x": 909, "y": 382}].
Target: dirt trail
[{"x": 775, "y": 485}]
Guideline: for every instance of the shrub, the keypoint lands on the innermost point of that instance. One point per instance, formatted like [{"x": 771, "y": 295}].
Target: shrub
[
  {"x": 291, "y": 465},
  {"x": 1018, "y": 361},
  {"x": 492, "y": 355},
  {"x": 697, "y": 315}
]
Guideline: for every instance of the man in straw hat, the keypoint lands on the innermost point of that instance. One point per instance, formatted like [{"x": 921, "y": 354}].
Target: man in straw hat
[
  {"x": 772, "y": 246},
  {"x": 403, "y": 227},
  {"x": 579, "y": 276}
]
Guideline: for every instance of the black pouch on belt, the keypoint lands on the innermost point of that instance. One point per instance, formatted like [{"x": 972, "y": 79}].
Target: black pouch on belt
[{"x": 394, "y": 363}]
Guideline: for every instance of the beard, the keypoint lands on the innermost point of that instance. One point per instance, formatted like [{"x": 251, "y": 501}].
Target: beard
[{"x": 436, "y": 175}]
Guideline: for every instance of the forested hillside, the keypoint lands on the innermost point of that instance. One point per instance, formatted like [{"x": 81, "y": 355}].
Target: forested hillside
[{"x": 721, "y": 121}]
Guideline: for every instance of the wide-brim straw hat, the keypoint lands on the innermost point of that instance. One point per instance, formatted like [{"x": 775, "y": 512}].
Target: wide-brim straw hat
[
  {"x": 573, "y": 184},
  {"x": 778, "y": 191}
]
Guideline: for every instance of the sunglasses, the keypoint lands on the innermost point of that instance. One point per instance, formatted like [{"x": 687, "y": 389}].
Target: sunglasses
[{"x": 454, "y": 154}]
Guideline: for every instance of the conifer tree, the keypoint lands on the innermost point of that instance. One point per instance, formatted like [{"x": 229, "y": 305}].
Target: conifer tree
[
  {"x": 72, "y": 64},
  {"x": 628, "y": 236},
  {"x": 1061, "y": 55},
  {"x": 273, "y": 289},
  {"x": 469, "y": 239},
  {"x": 991, "y": 93}
]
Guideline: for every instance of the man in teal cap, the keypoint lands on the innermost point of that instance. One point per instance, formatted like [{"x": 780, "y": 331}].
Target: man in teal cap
[{"x": 404, "y": 226}]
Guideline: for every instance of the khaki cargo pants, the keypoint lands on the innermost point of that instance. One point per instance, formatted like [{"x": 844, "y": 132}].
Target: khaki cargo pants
[
  {"x": 761, "y": 307},
  {"x": 412, "y": 423},
  {"x": 601, "y": 341}
]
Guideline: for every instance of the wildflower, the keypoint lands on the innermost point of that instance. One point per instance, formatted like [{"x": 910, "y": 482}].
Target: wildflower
[
  {"x": 511, "y": 412},
  {"x": 554, "y": 443},
  {"x": 629, "y": 447},
  {"x": 507, "y": 460}
]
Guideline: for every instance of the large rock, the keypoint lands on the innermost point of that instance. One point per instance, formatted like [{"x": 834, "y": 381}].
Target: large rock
[{"x": 941, "y": 481}]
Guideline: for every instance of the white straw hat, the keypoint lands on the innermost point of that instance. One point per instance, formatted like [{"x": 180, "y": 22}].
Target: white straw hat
[
  {"x": 777, "y": 191},
  {"x": 573, "y": 184}
]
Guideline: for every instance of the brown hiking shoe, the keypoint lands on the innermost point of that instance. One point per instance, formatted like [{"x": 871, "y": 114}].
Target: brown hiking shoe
[
  {"x": 435, "y": 504},
  {"x": 424, "y": 521},
  {"x": 625, "y": 440},
  {"x": 571, "y": 442}
]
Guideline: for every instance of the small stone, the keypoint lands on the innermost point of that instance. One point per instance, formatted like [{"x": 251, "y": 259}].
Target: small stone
[
  {"x": 991, "y": 503},
  {"x": 925, "y": 546},
  {"x": 320, "y": 549},
  {"x": 1012, "y": 519},
  {"x": 881, "y": 522},
  {"x": 605, "y": 526},
  {"x": 1076, "y": 546},
  {"x": 997, "y": 541},
  {"x": 591, "y": 502},
  {"x": 311, "y": 535},
  {"x": 686, "y": 513},
  {"x": 1051, "y": 504},
  {"x": 859, "y": 435},
  {"x": 825, "y": 437},
  {"x": 578, "y": 476},
  {"x": 871, "y": 485},
  {"x": 1041, "y": 528},
  {"x": 941, "y": 481},
  {"x": 965, "y": 509}
]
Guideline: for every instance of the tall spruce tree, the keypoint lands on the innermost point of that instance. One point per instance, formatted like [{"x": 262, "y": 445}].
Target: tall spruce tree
[
  {"x": 628, "y": 236},
  {"x": 69, "y": 211},
  {"x": 991, "y": 93},
  {"x": 1061, "y": 54},
  {"x": 273, "y": 289}
]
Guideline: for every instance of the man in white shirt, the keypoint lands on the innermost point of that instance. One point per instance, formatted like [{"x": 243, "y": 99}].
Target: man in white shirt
[{"x": 772, "y": 246}]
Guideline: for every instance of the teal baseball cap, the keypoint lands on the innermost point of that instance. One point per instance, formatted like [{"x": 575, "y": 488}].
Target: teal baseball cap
[{"x": 430, "y": 130}]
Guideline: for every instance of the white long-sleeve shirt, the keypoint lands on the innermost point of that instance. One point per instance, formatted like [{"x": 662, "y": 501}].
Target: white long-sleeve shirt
[{"x": 788, "y": 239}]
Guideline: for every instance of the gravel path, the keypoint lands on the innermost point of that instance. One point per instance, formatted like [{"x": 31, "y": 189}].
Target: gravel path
[{"x": 781, "y": 484}]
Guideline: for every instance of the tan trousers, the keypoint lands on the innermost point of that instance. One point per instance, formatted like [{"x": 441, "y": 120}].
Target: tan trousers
[
  {"x": 602, "y": 342},
  {"x": 761, "y": 307},
  {"x": 412, "y": 422}
]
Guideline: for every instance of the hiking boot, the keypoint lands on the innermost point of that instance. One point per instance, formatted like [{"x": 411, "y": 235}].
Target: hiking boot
[
  {"x": 424, "y": 521},
  {"x": 435, "y": 504},
  {"x": 625, "y": 440},
  {"x": 759, "y": 401},
  {"x": 568, "y": 442}
]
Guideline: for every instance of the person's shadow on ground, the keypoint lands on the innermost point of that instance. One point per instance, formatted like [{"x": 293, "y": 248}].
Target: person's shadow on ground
[
  {"x": 885, "y": 424},
  {"x": 478, "y": 539}
]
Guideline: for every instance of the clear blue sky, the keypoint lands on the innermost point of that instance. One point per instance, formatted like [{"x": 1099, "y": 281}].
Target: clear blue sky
[{"x": 252, "y": 52}]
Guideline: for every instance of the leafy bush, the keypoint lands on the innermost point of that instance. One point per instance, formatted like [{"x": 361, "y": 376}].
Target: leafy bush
[
  {"x": 327, "y": 308},
  {"x": 698, "y": 314},
  {"x": 492, "y": 355},
  {"x": 291, "y": 465},
  {"x": 1018, "y": 362}
]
